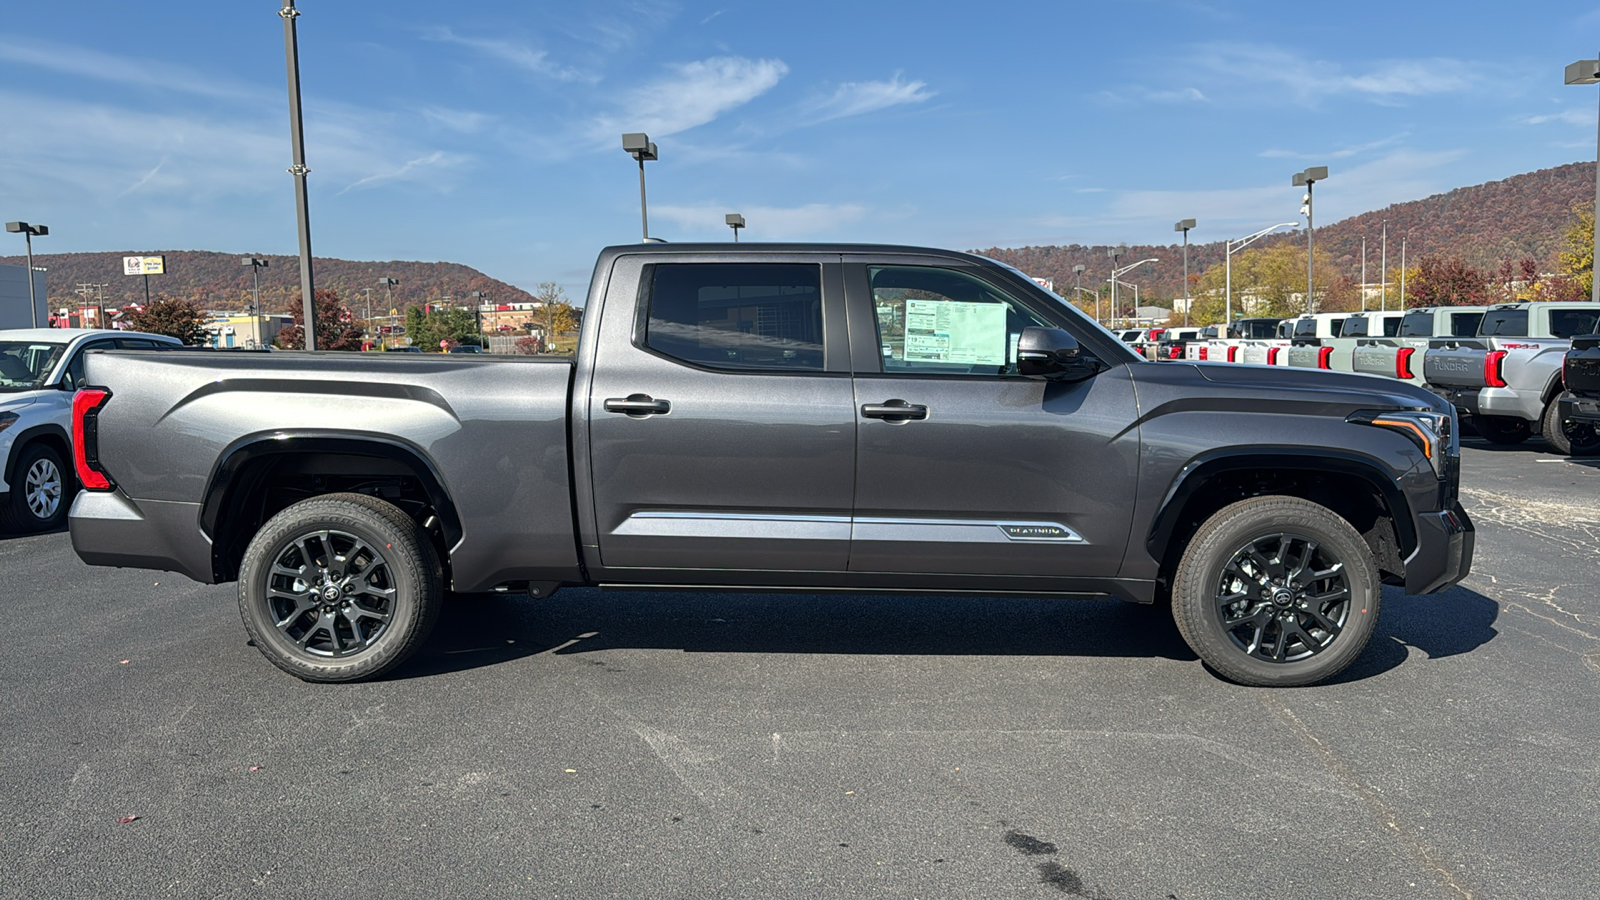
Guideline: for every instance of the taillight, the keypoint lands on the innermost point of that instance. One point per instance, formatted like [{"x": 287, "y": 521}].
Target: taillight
[
  {"x": 1323, "y": 355},
  {"x": 1272, "y": 355},
  {"x": 86, "y": 406},
  {"x": 1233, "y": 354},
  {"x": 1173, "y": 351},
  {"x": 1492, "y": 366},
  {"x": 1402, "y": 363},
  {"x": 1203, "y": 353}
]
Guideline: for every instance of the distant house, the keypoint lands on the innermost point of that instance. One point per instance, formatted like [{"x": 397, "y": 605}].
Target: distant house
[{"x": 226, "y": 330}]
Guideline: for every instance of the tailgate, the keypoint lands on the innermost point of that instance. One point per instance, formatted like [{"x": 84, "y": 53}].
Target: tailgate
[
  {"x": 1375, "y": 357},
  {"x": 1455, "y": 362},
  {"x": 1582, "y": 368}
]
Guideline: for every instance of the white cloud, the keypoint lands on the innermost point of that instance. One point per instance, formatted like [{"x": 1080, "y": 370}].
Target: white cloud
[
  {"x": 519, "y": 56},
  {"x": 1566, "y": 116},
  {"x": 858, "y": 97},
  {"x": 766, "y": 222},
  {"x": 691, "y": 94},
  {"x": 1342, "y": 153},
  {"x": 461, "y": 120},
  {"x": 410, "y": 170},
  {"x": 1246, "y": 65},
  {"x": 85, "y": 63}
]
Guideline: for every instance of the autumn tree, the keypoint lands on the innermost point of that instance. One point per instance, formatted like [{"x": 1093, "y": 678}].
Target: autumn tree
[
  {"x": 336, "y": 328},
  {"x": 1269, "y": 282},
  {"x": 1446, "y": 282},
  {"x": 1577, "y": 260},
  {"x": 182, "y": 319},
  {"x": 555, "y": 313}
]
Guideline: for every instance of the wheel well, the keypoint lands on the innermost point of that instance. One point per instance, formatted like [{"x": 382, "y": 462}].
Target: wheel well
[
  {"x": 1354, "y": 498},
  {"x": 250, "y": 491},
  {"x": 50, "y": 438}
]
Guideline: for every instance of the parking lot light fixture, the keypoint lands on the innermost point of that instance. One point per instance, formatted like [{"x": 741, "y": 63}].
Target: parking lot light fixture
[
  {"x": 736, "y": 222},
  {"x": 1118, "y": 273},
  {"x": 1307, "y": 179},
  {"x": 256, "y": 265},
  {"x": 1184, "y": 227},
  {"x": 1231, "y": 246},
  {"x": 28, "y": 232},
  {"x": 640, "y": 147},
  {"x": 1587, "y": 71}
]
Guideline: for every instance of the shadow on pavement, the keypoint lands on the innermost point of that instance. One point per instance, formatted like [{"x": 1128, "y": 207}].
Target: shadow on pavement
[
  {"x": 1457, "y": 621},
  {"x": 13, "y": 535},
  {"x": 485, "y": 631}
]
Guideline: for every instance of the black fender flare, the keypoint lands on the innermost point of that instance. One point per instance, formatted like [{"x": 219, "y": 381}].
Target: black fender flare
[
  {"x": 1207, "y": 466},
  {"x": 222, "y": 483}
]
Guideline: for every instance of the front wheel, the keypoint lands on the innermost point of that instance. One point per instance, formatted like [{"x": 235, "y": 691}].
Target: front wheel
[
  {"x": 342, "y": 587},
  {"x": 1277, "y": 591},
  {"x": 40, "y": 493},
  {"x": 1502, "y": 429},
  {"x": 1569, "y": 438}
]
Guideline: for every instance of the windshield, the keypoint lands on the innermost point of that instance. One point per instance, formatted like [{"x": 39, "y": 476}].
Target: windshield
[{"x": 24, "y": 364}]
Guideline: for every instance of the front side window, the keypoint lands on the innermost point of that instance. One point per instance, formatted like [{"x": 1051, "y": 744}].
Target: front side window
[
  {"x": 1391, "y": 326},
  {"x": 755, "y": 316},
  {"x": 943, "y": 321}
]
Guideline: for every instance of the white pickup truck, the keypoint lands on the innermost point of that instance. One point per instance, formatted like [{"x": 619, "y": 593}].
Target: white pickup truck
[
  {"x": 1401, "y": 356},
  {"x": 1337, "y": 351},
  {"x": 1268, "y": 351},
  {"x": 1508, "y": 376}
]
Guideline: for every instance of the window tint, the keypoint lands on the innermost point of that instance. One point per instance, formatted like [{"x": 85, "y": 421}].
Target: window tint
[
  {"x": 135, "y": 344},
  {"x": 738, "y": 315},
  {"x": 1504, "y": 323},
  {"x": 1336, "y": 327},
  {"x": 1305, "y": 328},
  {"x": 1255, "y": 329},
  {"x": 1565, "y": 323},
  {"x": 1355, "y": 326},
  {"x": 74, "y": 375},
  {"x": 947, "y": 322},
  {"x": 1465, "y": 324},
  {"x": 1391, "y": 326},
  {"x": 1417, "y": 324}
]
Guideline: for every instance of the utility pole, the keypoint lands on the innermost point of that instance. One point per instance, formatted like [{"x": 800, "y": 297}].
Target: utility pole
[
  {"x": 1383, "y": 269},
  {"x": 1402, "y": 273},
  {"x": 1363, "y": 273},
  {"x": 298, "y": 143}
]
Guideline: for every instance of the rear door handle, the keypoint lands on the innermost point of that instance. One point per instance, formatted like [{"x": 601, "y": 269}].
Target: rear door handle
[
  {"x": 894, "y": 411},
  {"x": 638, "y": 405}
]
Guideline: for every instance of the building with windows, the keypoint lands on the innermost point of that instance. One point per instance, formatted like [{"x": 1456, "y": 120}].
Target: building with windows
[{"x": 226, "y": 330}]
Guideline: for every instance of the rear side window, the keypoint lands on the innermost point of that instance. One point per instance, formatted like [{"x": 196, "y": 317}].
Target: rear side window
[
  {"x": 1391, "y": 326},
  {"x": 1565, "y": 323},
  {"x": 738, "y": 315},
  {"x": 1417, "y": 324},
  {"x": 1504, "y": 323},
  {"x": 1336, "y": 327},
  {"x": 1465, "y": 324}
]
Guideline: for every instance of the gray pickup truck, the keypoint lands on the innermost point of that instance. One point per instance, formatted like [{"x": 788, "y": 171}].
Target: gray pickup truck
[
  {"x": 1507, "y": 378},
  {"x": 777, "y": 417},
  {"x": 1401, "y": 356},
  {"x": 1580, "y": 403}
]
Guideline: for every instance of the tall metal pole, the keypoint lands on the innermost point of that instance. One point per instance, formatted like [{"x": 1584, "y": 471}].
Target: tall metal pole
[
  {"x": 1311, "y": 229},
  {"x": 1595, "y": 287},
  {"x": 297, "y": 139},
  {"x": 1402, "y": 273},
  {"x": 33, "y": 303},
  {"x": 644, "y": 216},
  {"x": 1363, "y": 273},
  {"x": 1383, "y": 269},
  {"x": 1227, "y": 291}
]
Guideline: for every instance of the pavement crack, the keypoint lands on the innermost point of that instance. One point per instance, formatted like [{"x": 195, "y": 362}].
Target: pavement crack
[{"x": 1391, "y": 819}]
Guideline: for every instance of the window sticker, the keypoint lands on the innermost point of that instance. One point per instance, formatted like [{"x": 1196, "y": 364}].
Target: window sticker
[{"x": 950, "y": 331}]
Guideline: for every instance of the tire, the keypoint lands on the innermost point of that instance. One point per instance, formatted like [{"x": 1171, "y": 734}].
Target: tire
[
  {"x": 41, "y": 491},
  {"x": 341, "y": 627},
  {"x": 1502, "y": 429},
  {"x": 1569, "y": 438},
  {"x": 1279, "y": 636}
]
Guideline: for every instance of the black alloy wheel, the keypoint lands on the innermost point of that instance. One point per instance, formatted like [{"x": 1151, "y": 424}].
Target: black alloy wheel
[
  {"x": 342, "y": 587},
  {"x": 1276, "y": 591},
  {"x": 1569, "y": 437}
]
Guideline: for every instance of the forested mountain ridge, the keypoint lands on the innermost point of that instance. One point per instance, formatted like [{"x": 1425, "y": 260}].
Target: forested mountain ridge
[
  {"x": 218, "y": 281},
  {"x": 1525, "y": 216}
]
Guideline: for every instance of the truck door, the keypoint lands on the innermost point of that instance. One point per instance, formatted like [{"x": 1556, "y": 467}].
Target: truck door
[
  {"x": 964, "y": 467},
  {"x": 720, "y": 419}
]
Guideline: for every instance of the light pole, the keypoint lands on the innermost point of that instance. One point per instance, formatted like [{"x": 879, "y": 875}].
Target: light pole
[
  {"x": 736, "y": 222},
  {"x": 1118, "y": 273},
  {"x": 1114, "y": 253},
  {"x": 28, "y": 232},
  {"x": 1363, "y": 273},
  {"x": 640, "y": 147},
  {"x": 297, "y": 140},
  {"x": 1240, "y": 244},
  {"x": 1403, "y": 271},
  {"x": 1383, "y": 270},
  {"x": 1184, "y": 227},
  {"x": 478, "y": 298},
  {"x": 1587, "y": 71},
  {"x": 1308, "y": 178},
  {"x": 388, "y": 288},
  {"x": 256, "y": 265}
]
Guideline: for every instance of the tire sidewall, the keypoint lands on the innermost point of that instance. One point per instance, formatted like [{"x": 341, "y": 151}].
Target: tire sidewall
[
  {"x": 1232, "y": 528},
  {"x": 21, "y": 515},
  {"x": 1558, "y": 439},
  {"x": 400, "y": 553}
]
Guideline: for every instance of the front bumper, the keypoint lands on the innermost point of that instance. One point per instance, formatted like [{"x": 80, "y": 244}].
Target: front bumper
[
  {"x": 1579, "y": 409},
  {"x": 1445, "y": 541}
]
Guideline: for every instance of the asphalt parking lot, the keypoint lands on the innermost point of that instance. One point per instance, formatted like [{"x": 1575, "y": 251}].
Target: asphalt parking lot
[{"x": 728, "y": 745}]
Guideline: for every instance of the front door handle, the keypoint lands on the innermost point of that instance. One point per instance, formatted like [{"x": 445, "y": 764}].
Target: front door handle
[
  {"x": 638, "y": 405},
  {"x": 894, "y": 411}
]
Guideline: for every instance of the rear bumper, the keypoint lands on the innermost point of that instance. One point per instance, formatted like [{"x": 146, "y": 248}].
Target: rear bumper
[
  {"x": 1465, "y": 400},
  {"x": 109, "y": 529},
  {"x": 1509, "y": 402},
  {"x": 1445, "y": 541},
  {"x": 1579, "y": 409}
]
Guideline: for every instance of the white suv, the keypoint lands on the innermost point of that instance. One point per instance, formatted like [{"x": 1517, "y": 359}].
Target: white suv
[{"x": 40, "y": 370}]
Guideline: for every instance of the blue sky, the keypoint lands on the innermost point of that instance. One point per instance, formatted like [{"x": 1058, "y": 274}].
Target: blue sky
[{"x": 488, "y": 132}]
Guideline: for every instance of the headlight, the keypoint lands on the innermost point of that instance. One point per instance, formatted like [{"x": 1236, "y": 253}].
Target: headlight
[
  {"x": 7, "y": 419},
  {"x": 1434, "y": 433}
]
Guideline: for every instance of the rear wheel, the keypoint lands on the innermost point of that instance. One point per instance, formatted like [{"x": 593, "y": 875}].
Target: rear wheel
[
  {"x": 1277, "y": 591},
  {"x": 1502, "y": 429},
  {"x": 41, "y": 491},
  {"x": 342, "y": 587},
  {"x": 1568, "y": 437}
]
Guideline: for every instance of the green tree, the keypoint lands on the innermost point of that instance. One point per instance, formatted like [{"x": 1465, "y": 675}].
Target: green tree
[
  {"x": 182, "y": 319},
  {"x": 1577, "y": 260},
  {"x": 556, "y": 314},
  {"x": 427, "y": 328},
  {"x": 336, "y": 328},
  {"x": 1269, "y": 282}
]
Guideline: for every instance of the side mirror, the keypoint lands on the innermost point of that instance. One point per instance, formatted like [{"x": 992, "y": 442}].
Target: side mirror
[{"x": 1052, "y": 353}]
